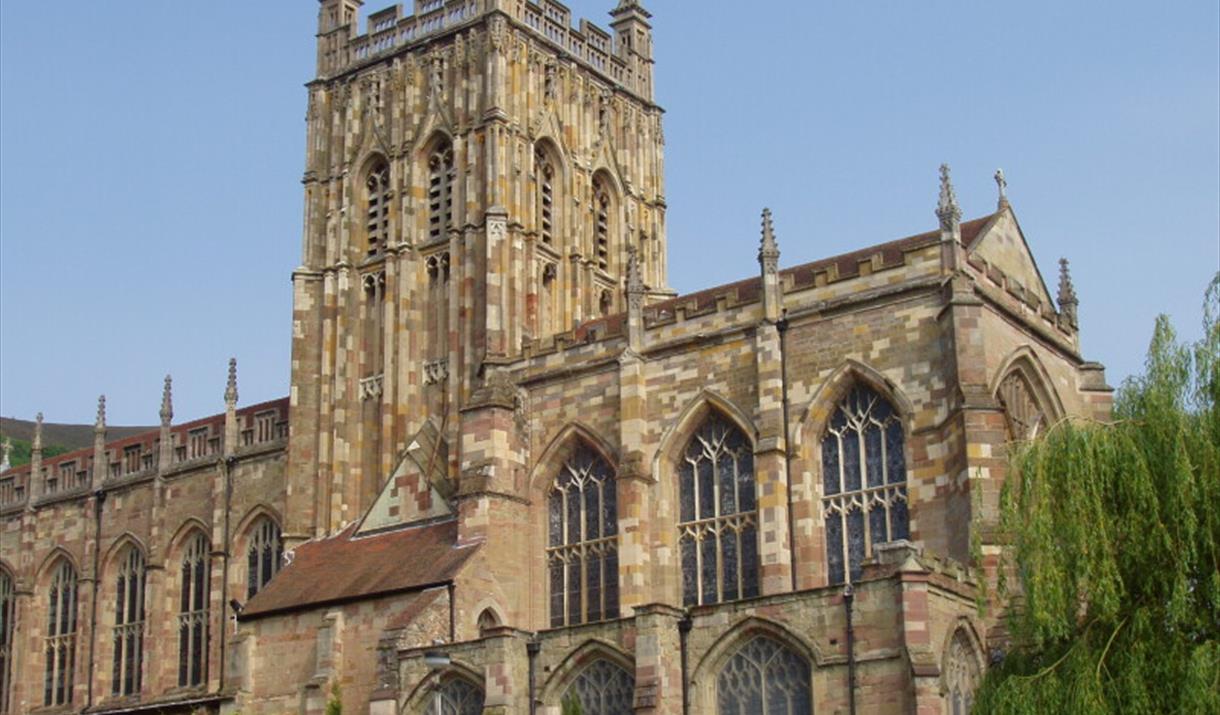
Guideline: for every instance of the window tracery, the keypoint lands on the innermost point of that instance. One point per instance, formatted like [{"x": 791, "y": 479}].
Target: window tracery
[
  {"x": 864, "y": 481},
  {"x": 263, "y": 555},
  {"x": 193, "y": 614},
  {"x": 962, "y": 675},
  {"x": 603, "y": 688},
  {"x": 582, "y": 556},
  {"x": 440, "y": 191},
  {"x": 718, "y": 525},
  {"x": 60, "y": 641},
  {"x": 457, "y": 696},
  {"x": 129, "y": 624},
  {"x": 1022, "y": 413},
  {"x": 764, "y": 677}
]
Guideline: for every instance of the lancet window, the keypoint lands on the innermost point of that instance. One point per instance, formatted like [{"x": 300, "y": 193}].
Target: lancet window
[
  {"x": 457, "y": 696},
  {"x": 1023, "y": 416},
  {"x": 718, "y": 533},
  {"x": 764, "y": 677},
  {"x": 129, "y": 624},
  {"x": 582, "y": 552},
  {"x": 603, "y": 688},
  {"x": 440, "y": 191},
  {"x": 193, "y": 613},
  {"x": 545, "y": 172},
  {"x": 602, "y": 207},
  {"x": 863, "y": 481},
  {"x": 263, "y": 555},
  {"x": 8, "y": 614},
  {"x": 377, "y": 208},
  {"x": 60, "y": 641}
]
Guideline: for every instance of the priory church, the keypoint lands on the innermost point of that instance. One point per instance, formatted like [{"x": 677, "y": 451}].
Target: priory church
[{"x": 516, "y": 472}]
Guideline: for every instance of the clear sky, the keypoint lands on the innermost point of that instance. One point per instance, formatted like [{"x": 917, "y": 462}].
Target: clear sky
[{"x": 151, "y": 152}]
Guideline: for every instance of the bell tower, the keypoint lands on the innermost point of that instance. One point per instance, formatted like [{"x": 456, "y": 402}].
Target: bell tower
[{"x": 476, "y": 175}]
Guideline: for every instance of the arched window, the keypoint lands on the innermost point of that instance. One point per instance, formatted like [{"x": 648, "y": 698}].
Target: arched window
[
  {"x": 263, "y": 555},
  {"x": 603, "y": 207},
  {"x": 582, "y": 554},
  {"x": 718, "y": 533},
  {"x": 456, "y": 696},
  {"x": 8, "y": 614},
  {"x": 764, "y": 678},
  {"x": 488, "y": 619},
  {"x": 60, "y": 640},
  {"x": 129, "y": 624},
  {"x": 377, "y": 207},
  {"x": 864, "y": 478},
  {"x": 544, "y": 170},
  {"x": 193, "y": 613},
  {"x": 961, "y": 675},
  {"x": 440, "y": 191},
  {"x": 603, "y": 688},
  {"x": 1023, "y": 416}
]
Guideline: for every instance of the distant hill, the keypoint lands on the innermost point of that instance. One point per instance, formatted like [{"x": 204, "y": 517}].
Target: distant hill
[{"x": 57, "y": 438}]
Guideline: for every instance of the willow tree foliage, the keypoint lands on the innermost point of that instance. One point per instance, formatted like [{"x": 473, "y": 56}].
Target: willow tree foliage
[{"x": 1115, "y": 548}]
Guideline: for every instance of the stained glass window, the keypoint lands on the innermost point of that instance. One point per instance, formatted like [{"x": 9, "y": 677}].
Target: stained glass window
[
  {"x": 764, "y": 678},
  {"x": 603, "y": 688},
  {"x": 263, "y": 556},
  {"x": 60, "y": 641},
  {"x": 1021, "y": 411},
  {"x": 582, "y": 551},
  {"x": 863, "y": 481},
  {"x": 128, "y": 624},
  {"x": 718, "y": 527},
  {"x": 457, "y": 696},
  {"x": 8, "y": 613},
  {"x": 961, "y": 674},
  {"x": 193, "y": 614}
]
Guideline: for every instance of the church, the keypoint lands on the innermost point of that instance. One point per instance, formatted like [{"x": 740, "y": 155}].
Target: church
[{"x": 516, "y": 472}]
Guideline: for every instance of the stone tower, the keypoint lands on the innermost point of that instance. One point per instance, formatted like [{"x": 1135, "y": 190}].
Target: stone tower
[{"x": 476, "y": 176}]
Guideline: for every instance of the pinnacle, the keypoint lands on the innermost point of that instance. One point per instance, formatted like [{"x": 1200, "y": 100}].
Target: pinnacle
[{"x": 947, "y": 209}]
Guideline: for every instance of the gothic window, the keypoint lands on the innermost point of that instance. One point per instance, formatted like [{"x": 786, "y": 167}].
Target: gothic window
[
  {"x": 60, "y": 641},
  {"x": 457, "y": 696},
  {"x": 131, "y": 459},
  {"x": 602, "y": 208},
  {"x": 263, "y": 555},
  {"x": 864, "y": 481},
  {"x": 603, "y": 688},
  {"x": 193, "y": 613},
  {"x": 1022, "y": 414},
  {"x": 764, "y": 678},
  {"x": 582, "y": 556},
  {"x": 961, "y": 675},
  {"x": 129, "y": 624},
  {"x": 440, "y": 191},
  {"x": 545, "y": 172},
  {"x": 374, "y": 324},
  {"x": 198, "y": 441},
  {"x": 8, "y": 614},
  {"x": 377, "y": 207},
  {"x": 718, "y": 533}
]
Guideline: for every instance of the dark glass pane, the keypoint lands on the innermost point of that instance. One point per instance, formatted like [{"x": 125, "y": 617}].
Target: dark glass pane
[
  {"x": 686, "y": 491},
  {"x": 268, "y": 565},
  {"x": 728, "y": 556},
  {"x": 116, "y": 680},
  {"x": 61, "y": 685},
  {"x": 611, "y": 584},
  {"x": 690, "y": 570},
  {"x": 707, "y": 502},
  {"x": 872, "y": 456},
  {"x": 609, "y": 507},
  {"x": 895, "y": 461},
  {"x": 184, "y": 649},
  {"x": 53, "y": 612},
  {"x": 129, "y": 680},
  {"x": 834, "y": 547},
  {"x": 749, "y": 562},
  {"x": 252, "y": 572},
  {"x": 707, "y": 569},
  {"x": 899, "y": 528},
  {"x": 726, "y": 475},
  {"x": 746, "y": 485},
  {"x": 48, "y": 678},
  {"x": 876, "y": 525},
  {"x": 197, "y": 659},
  {"x": 574, "y": 614},
  {"x": 593, "y": 587},
  {"x": 201, "y": 583},
  {"x": 555, "y": 518},
  {"x": 851, "y": 461},
  {"x": 593, "y": 511},
  {"x": 855, "y": 541},
  {"x": 556, "y": 593},
  {"x": 138, "y": 667},
  {"x": 573, "y": 535}
]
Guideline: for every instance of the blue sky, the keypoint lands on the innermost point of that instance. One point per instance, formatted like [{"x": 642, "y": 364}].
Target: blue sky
[{"x": 151, "y": 152}]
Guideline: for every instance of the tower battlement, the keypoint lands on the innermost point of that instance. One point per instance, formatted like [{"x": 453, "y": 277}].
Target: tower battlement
[{"x": 623, "y": 55}]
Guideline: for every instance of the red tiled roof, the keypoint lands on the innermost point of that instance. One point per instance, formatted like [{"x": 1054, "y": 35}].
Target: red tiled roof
[{"x": 344, "y": 567}]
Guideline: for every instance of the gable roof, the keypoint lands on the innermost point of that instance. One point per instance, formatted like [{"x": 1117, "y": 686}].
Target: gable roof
[{"x": 346, "y": 567}]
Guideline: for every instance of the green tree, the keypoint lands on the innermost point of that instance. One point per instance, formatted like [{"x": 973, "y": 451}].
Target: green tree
[{"x": 1115, "y": 536}]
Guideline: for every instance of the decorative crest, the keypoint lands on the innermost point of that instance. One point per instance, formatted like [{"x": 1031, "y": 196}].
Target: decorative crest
[
  {"x": 947, "y": 210},
  {"x": 1002, "y": 184},
  {"x": 167, "y": 401},
  {"x": 768, "y": 250},
  {"x": 231, "y": 385},
  {"x": 99, "y": 425}
]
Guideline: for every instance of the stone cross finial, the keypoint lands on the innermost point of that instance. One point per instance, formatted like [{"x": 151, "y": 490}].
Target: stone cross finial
[
  {"x": 37, "y": 442},
  {"x": 768, "y": 250},
  {"x": 231, "y": 385},
  {"x": 7, "y": 450},
  {"x": 947, "y": 210},
  {"x": 167, "y": 401},
  {"x": 99, "y": 425},
  {"x": 1002, "y": 184}
]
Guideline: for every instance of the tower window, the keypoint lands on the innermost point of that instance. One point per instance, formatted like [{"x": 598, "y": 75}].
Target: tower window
[
  {"x": 546, "y": 196},
  {"x": 601, "y": 226},
  {"x": 60, "y": 641},
  {"x": 440, "y": 191},
  {"x": 193, "y": 614},
  {"x": 129, "y": 624},
  {"x": 377, "y": 208}
]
